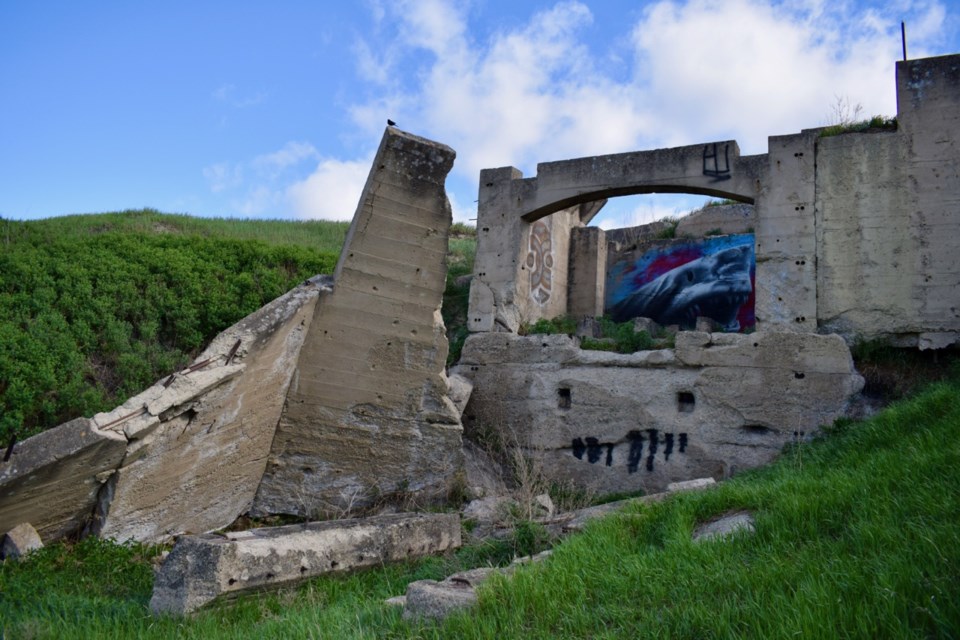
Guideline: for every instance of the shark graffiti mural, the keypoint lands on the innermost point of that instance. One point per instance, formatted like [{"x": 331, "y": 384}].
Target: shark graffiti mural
[{"x": 679, "y": 282}]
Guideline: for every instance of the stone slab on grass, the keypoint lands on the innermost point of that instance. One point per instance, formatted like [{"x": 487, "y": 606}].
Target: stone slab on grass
[
  {"x": 202, "y": 568},
  {"x": 725, "y": 527}
]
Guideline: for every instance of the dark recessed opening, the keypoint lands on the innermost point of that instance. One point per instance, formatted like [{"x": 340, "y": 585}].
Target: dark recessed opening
[
  {"x": 563, "y": 398},
  {"x": 757, "y": 429},
  {"x": 799, "y": 375},
  {"x": 685, "y": 402}
]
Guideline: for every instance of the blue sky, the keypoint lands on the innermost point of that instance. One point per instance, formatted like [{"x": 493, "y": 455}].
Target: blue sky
[{"x": 274, "y": 110}]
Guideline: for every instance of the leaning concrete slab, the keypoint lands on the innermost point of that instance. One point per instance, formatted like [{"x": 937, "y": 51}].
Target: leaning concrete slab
[
  {"x": 52, "y": 479},
  {"x": 201, "y": 568},
  {"x": 369, "y": 412},
  {"x": 198, "y": 451}
]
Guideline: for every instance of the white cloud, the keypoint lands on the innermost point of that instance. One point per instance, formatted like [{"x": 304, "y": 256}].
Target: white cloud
[
  {"x": 292, "y": 153},
  {"x": 701, "y": 70},
  {"x": 331, "y": 192},
  {"x": 749, "y": 69},
  {"x": 223, "y": 176},
  {"x": 228, "y": 94}
]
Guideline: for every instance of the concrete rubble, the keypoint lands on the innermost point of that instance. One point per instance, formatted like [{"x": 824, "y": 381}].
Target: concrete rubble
[
  {"x": 20, "y": 541},
  {"x": 203, "y": 568},
  {"x": 52, "y": 480}
]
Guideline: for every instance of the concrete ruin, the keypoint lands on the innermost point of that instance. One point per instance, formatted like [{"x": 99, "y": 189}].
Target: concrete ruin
[
  {"x": 335, "y": 395},
  {"x": 327, "y": 398},
  {"x": 853, "y": 234},
  {"x": 717, "y": 404}
]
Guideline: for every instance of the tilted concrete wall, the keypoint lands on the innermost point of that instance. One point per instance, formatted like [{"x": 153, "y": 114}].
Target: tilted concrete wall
[
  {"x": 185, "y": 455},
  {"x": 368, "y": 411},
  {"x": 716, "y": 404}
]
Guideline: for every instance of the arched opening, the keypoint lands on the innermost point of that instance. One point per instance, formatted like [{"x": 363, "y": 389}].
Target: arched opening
[{"x": 682, "y": 261}]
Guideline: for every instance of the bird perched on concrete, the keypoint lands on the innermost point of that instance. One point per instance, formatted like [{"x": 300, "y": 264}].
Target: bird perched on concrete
[{"x": 391, "y": 123}]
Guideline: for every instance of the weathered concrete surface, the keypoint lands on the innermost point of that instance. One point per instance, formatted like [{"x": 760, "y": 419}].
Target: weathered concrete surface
[
  {"x": 20, "y": 541},
  {"x": 197, "y": 453},
  {"x": 785, "y": 239},
  {"x": 52, "y": 479},
  {"x": 715, "y": 168},
  {"x": 369, "y": 411},
  {"x": 588, "y": 266},
  {"x": 437, "y": 600},
  {"x": 202, "y": 568},
  {"x": 888, "y": 217},
  {"x": 716, "y": 404}
]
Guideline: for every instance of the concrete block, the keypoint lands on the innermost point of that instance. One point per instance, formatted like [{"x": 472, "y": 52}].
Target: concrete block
[
  {"x": 202, "y": 568},
  {"x": 370, "y": 411},
  {"x": 20, "y": 541},
  {"x": 52, "y": 479},
  {"x": 725, "y": 527}
]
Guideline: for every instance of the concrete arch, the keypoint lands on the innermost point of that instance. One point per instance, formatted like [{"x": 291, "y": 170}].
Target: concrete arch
[{"x": 712, "y": 169}]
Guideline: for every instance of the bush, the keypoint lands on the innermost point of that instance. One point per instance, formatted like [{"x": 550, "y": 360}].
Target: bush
[{"x": 86, "y": 320}]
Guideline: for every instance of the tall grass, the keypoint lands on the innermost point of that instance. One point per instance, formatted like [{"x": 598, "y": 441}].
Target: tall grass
[{"x": 856, "y": 536}]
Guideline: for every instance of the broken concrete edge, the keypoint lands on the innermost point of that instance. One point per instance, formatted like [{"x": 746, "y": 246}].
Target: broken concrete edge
[
  {"x": 218, "y": 363},
  {"x": 72, "y": 466},
  {"x": 201, "y": 569}
]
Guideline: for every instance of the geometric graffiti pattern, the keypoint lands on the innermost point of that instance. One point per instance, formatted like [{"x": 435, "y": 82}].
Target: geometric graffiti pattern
[{"x": 540, "y": 262}]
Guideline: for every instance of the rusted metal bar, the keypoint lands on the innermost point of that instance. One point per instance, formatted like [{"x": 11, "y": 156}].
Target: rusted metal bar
[
  {"x": 138, "y": 412},
  {"x": 233, "y": 351},
  {"x": 199, "y": 365}
]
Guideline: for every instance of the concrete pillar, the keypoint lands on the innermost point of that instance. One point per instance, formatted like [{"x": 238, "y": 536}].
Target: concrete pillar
[
  {"x": 500, "y": 235},
  {"x": 786, "y": 280},
  {"x": 587, "y": 271}
]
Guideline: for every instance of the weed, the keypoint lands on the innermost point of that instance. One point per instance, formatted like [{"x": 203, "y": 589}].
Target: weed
[{"x": 669, "y": 231}]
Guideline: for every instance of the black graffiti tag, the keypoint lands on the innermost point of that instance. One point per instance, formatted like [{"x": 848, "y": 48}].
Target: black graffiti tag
[
  {"x": 594, "y": 449},
  {"x": 712, "y": 165}
]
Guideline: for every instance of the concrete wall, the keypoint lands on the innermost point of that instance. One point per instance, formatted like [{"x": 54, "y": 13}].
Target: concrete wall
[
  {"x": 716, "y": 404},
  {"x": 368, "y": 412},
  {"x": 888, "y": 217},
  {"x": 855, "y": 233},
  {"x": 186, "y": 454}
]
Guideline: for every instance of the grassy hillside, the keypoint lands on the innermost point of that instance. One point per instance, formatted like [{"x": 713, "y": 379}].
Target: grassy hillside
[
  {"x": 95, "y": 308},
  {"x": 857, "y": 537}
]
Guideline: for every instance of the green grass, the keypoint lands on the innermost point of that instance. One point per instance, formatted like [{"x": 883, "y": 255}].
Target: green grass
[
  {"x": 857, "y": 536},
  {"x": 876, "y": 123},
  {"x": 614, "y": 336}
]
